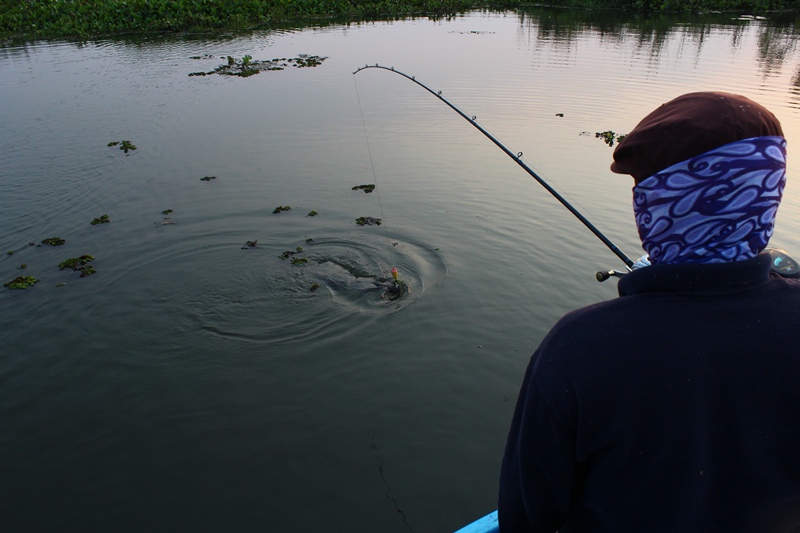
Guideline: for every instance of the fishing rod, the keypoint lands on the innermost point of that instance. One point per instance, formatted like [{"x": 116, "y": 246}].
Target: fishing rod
[{"x": 518, "y": 158}]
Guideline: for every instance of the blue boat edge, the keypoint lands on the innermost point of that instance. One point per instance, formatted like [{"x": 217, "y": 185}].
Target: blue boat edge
[{"x": 486, "y": 524}]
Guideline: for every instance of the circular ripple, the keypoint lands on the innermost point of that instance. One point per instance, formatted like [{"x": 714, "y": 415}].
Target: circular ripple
[
  {"x": 251, "y": 295},
  {"x": 357, "y": 274}
]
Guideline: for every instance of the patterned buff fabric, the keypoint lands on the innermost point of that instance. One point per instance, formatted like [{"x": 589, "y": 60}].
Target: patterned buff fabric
[{"x": 717, "y": 207}]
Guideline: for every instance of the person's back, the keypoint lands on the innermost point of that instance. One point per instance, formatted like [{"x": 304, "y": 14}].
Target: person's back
[{"x": 674, "y": 408}]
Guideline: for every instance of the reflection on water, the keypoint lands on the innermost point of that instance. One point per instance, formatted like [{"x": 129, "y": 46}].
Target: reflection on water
[{"x": 199, "y": 382}]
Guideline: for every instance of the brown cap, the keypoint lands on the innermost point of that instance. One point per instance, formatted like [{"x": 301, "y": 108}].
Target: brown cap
[{"x": 688, "y": 126}]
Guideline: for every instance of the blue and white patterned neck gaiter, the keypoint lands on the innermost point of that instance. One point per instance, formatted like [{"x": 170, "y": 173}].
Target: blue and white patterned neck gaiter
[{"x": 717, "y": 207}]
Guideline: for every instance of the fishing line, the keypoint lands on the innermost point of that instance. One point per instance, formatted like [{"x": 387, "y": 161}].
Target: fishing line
[
  {"x": 518, "y": 158},
  {"x": 375, "y": 180}
]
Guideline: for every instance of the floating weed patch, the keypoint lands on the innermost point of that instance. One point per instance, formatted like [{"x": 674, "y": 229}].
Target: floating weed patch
[
  {"x": 299, "y": 260},
  {"x": 246, "y": 66},
  {"x": 368, "y": 221},
  {"x": 314, "y": 287},
  {"x": 102, "y": 219},
  {"x": 21, "y": 282},
  {"x": 53, "y": 241},
  {"x": 250, "y": 244},
  {"x": 366, "y": 188},
  {"x": 11, "y": 252},
  {"x": 208, "y": 178},
  {"x": 80, "y": 264},
  {"x": 289, "y": 253},
  {"x": 166, "y": 211},
  {"x": 282, "y": 208},
  {"x": 23, "y": 266},
  {"x": 125, "y": 146},
  {"x": 609, "y": 137},
  {"x": 312, "y": 214}
]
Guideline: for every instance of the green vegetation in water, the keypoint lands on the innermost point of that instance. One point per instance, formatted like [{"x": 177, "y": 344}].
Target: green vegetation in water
[
  {"x": 59, "y": 18},
  {"x": 312, "y": 213},
  {"x": 59, "y": 285},
  {"x": 80, "y": 264},
  {"x": 281, "y": 208},
  {"x": 609, "y": 137},
  {"x": 366, "y": 188},
  {"x": 314, "y": 287},
  {"x": 368, "y": 221},
  {"x": 102, "y": 219},
  {"x": 53, "y": 241},
  {"x": 23, "y": 266},
  {"x": 250, "y": 244},
  {"x": 10, "y": 252},
  {"x": 208, "y": 178},
  {"x": 299, "y": 260},
  {"x": 123, "y": 145},
  {"x": 21, "y": 282},
  {"x": 289, "y": 253},
  {"x": 166, "y": 211},
  {"x": 246, "y": 66},
  {"x": 560, "y": 115}
]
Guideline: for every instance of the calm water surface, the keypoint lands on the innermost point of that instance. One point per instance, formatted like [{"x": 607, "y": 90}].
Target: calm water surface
[{"x": 195, "y": 383}]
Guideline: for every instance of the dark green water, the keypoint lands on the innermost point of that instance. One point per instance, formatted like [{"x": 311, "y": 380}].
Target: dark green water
[{"x": 191, "y": 384}]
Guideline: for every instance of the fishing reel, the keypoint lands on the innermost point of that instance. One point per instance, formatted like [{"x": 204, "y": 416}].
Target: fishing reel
[{"x": 782, "y": 264}]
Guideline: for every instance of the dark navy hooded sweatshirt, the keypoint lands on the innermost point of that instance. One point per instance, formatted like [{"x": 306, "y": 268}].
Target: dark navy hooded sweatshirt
[{"x": 673, "y": 408}]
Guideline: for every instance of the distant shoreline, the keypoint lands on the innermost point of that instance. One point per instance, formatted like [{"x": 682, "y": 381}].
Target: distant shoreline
[{"x": 91, "y": 18}]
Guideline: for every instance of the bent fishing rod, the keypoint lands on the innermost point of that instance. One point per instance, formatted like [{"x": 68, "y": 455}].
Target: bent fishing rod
[{"x": 518, "y": 158}]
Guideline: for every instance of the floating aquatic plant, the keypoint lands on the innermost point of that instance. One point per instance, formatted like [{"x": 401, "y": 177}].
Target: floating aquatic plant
[
  {"x": 123, "y": 145},
  {"x": 299, "y": 260},
  {"x": 53, "y": 241},
  {"x": 282, "y": 208},
  {"x": 609, "y": 137},
  {"x": 103, "y": 219},
  {"x": 312, "y": 213},
  {"x": 367, "y": 188},
  {"x": 368, "y": 221},
  {"x": 314, "y": 287},
  {"x": 80, "y": 264},
  {"x": 23, "y": 266},
  {"x": 246, "y": 66},
  {"x": 166, "y": 211},
  {"x": 21, "y": 282},
  {"x": 249, "y": 244},
  {"x": 10, "y": 252},
  {"x": 208, "y": 178}
]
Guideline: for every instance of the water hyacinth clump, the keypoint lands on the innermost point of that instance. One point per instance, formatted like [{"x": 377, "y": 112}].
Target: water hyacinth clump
[
  {"x": 53, "y": 241},
  {"x": 609, "y": 137},
  {"x": 123, "y": 145},
  {"x": 80, "y": 264},
  {"x": 21, "y": 282},
  {"x": 368, "y": 221},
  {"x": 366, "y": 188}
]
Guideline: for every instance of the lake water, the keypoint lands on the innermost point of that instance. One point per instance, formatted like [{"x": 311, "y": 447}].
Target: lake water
[{"x": 197, "y": 383}]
